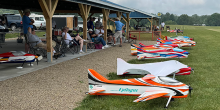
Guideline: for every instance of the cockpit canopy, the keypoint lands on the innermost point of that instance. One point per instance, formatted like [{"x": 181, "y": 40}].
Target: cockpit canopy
[{"x": 167, "y": 79}]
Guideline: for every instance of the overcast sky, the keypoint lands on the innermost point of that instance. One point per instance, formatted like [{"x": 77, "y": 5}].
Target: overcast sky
[{"x": 190, "y": 7}]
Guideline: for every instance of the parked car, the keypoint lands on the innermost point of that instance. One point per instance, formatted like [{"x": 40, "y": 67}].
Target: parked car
[
  {"x": 12, "y": 21},
  {"x": 40, "y": 22}
]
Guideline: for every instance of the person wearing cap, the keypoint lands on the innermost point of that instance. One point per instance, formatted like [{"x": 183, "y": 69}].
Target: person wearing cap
[
  {"x": 76, "y": 39},
  {"x": 118, "y": 32},
  {"x": 96, "y": 39},
  {"x": 90, "y": 24},
  {"x": 100, "y": 31},
  {"x": 98, "y": 24},
  {"x": 27, "y": 22}
]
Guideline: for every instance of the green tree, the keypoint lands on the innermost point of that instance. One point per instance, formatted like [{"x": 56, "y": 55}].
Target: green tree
[
  {"x": 170, "y": 22},
  {"x": 172, "y": 17},
  {"x": 213, "y": 20},
  {"x": 184, "y": 19}
]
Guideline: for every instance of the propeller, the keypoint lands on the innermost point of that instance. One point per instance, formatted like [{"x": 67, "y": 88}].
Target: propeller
[
  {"x": 36, "y": 57},
  {"x": 190, "y": 90},
  {"x": 192, "y": 70}
]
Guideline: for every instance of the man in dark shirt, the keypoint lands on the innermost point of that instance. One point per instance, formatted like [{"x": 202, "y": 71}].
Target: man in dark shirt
[
  {"x": 96, "y": 39},
  {"x": 90, "y": 24}
]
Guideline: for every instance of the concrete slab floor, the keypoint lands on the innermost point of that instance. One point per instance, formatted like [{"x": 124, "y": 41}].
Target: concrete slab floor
[{"x": 10, "y": 70}]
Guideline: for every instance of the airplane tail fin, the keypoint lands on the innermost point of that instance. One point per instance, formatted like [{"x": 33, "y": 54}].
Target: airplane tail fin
[
  {"x": 95, "y": 77},
  {"x": 142, "y": 45},
  {"x": 134, "y": 49}
]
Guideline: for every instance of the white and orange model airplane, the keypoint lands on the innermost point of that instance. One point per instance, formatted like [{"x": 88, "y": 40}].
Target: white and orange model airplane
[
  {"x": 146, "y": 88},
  {"x": 166, "y": 68}
]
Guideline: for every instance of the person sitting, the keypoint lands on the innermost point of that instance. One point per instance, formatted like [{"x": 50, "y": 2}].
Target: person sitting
[
  {"x": 108, "y": 35},
  {"x": 76, "y": 39},
  {"x": 35, "y": 41},
  {"x": 97, "y": 39}
]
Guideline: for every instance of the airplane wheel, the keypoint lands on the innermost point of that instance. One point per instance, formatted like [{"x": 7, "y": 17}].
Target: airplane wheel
[
  {"x": 30, "y": 64},
  {"x": 19, "y": 67}
]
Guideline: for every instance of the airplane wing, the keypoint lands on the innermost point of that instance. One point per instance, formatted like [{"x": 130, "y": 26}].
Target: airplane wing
[
  {"x": 157, "y": 69},
  {"x": 148, "y": 95},
  {"x": 173, "y": 56},
  {"x": 97, "y": 90}
]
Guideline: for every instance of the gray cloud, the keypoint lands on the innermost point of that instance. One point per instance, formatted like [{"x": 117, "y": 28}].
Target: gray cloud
[{"x": 190, "y": 7}]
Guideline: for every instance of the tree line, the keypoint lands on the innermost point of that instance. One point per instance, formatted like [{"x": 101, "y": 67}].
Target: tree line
[
  {"x": 184, "y": 19},
  {"x": 169, "y": 19}
]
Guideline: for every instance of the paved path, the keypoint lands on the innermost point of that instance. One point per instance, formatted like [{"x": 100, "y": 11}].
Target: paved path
[{"x": 61, "y": 86}]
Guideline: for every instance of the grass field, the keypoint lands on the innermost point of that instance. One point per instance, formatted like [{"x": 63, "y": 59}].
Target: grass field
[
  {"x": 15, "y": 35},
  {"x": 204, "y": 58}
]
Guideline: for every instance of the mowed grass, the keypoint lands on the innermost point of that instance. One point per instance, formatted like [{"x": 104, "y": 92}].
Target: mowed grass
[
  {"x": 204, "y": 58},
  {"x": 15, "y": 35}
]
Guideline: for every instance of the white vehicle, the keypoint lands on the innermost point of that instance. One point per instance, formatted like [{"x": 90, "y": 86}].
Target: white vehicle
[{"x": 40, "y": 22}]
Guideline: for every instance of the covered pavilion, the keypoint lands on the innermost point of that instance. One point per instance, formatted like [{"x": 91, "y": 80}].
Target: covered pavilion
[{"x": 85, "y": 8}]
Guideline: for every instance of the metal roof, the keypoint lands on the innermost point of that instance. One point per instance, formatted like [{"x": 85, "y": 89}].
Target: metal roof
[
  {"x": 134, "y": 14},
  {"x": 103, "y": 4},
  {"x": 33, "y": 5}
]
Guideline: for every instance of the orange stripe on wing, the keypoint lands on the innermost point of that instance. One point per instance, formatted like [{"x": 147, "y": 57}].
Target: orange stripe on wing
[
  {"x": 150, "y": 97},
  {"x": 184, "y": 96}
]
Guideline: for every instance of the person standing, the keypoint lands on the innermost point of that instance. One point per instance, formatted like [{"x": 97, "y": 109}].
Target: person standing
[
  {"x": 27, "y": 22},
  {"x": 118, "y": 32},
  {"x": 98, "y": 24},
  {"x": 90, "y": 24},
  {"x": 162, "y": 26}
]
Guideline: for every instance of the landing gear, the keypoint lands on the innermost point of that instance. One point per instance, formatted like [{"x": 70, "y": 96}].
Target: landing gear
[{"x": 168, "y": 101}]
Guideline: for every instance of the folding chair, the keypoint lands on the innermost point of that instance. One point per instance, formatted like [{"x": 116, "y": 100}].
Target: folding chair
[
  {"x": 64, "y": 48},
  {"x": 36, "y": 50},
  {"x": 90, "y": 45},
  {"x": 132, "y": 39}
]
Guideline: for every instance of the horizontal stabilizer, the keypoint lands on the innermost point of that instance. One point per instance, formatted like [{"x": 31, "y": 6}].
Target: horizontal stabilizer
[
  {"x": 148, "y": 95},
  {"x": 97, "y": 90}
]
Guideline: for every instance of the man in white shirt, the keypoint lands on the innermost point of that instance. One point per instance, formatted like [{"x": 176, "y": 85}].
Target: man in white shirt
[
  {"x": 162, "y": 26},
  {"x": 98, "y": 24},
  {"x": 77, "y": 39},
  {"x": 99, "y": 31}
]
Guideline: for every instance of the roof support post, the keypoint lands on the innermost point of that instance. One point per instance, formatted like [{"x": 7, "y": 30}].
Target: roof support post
[
  {"x": 105, "y": 13},
  {"x": 84, "y": 12},
  {"x": 138, "y": 20},
  {"x": 151, "y": 21},
  {"x": 90, "y": 16},
  {"x": 21, "y": 13},
  {"x": 119, "y": 14},
  {"x": 127, "y": 20},
  {"x": 48, "y": 7}
]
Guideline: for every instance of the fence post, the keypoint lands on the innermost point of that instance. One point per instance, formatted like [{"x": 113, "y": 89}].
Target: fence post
[
  {"x": 152, "y": 35},
  {"x": 139, "y": 35},
  {"x": 160, "y": 34}
]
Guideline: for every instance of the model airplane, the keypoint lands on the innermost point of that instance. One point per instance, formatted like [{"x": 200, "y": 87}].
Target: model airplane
[
  {"x": 18, "y": 57},
  {"x": 149, "y": 47},
  {"x": 181, "y": 43},
  {"x": 146, "y": 88},
  {"x": 162, "y": 53},
  {"x": 179, "y": 38},
  {"x": 165, "y": 68}
]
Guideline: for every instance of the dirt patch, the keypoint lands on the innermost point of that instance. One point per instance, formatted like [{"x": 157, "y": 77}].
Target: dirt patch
[{"x": 61, "y": 86}]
